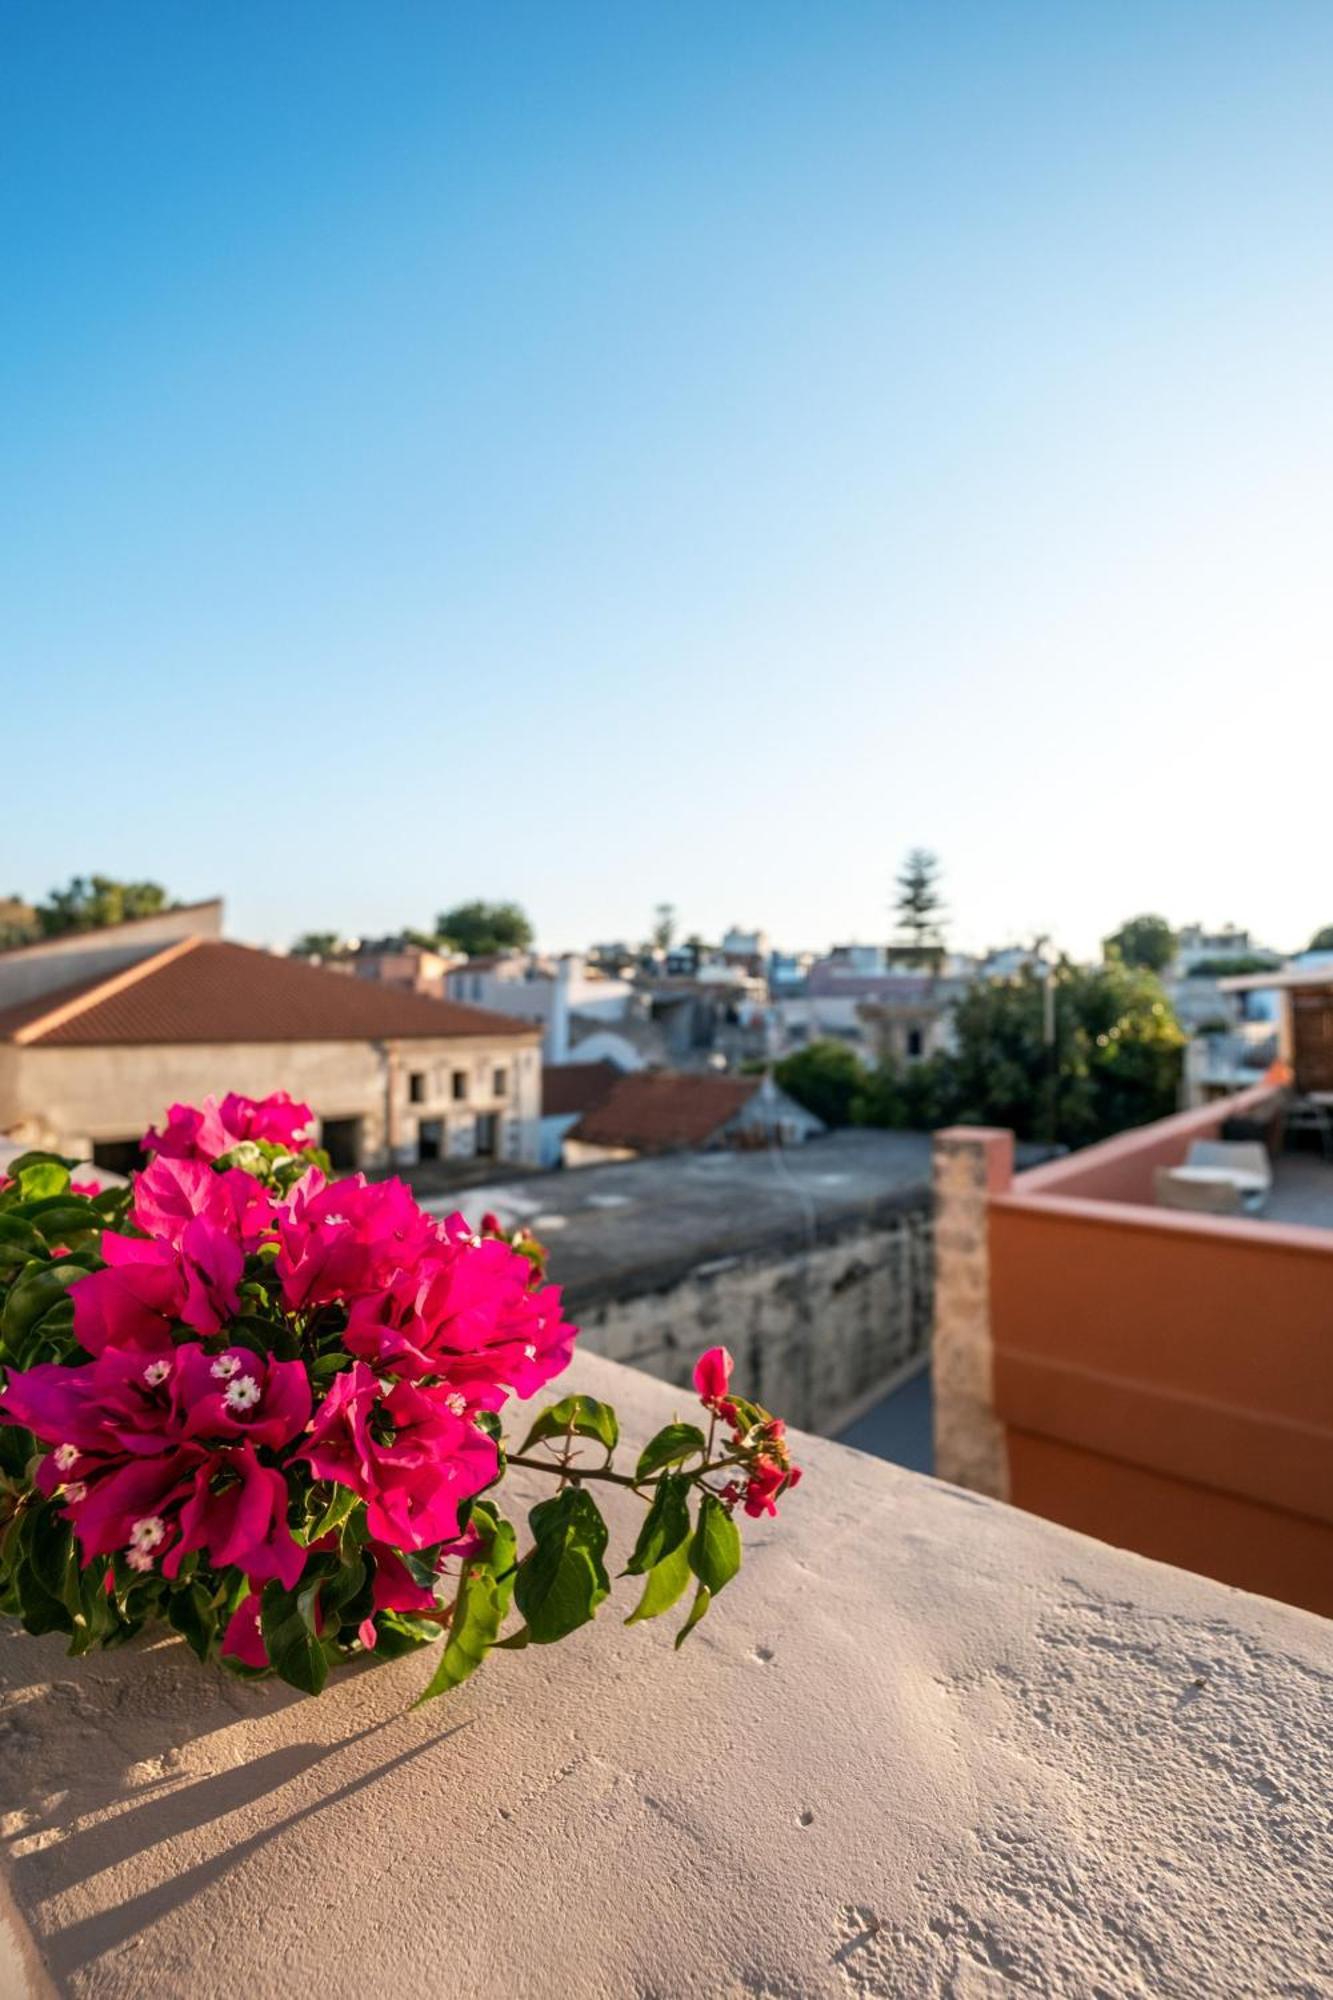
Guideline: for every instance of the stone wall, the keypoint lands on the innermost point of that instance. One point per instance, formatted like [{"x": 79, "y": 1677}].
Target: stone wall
[{"x": 820, "y": 1326}]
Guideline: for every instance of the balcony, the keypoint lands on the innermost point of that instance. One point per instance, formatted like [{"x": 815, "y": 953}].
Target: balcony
[{"x": 925, "y": 1745}]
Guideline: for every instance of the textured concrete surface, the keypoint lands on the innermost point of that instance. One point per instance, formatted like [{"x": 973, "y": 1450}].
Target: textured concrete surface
[{"x": 923, "y": 1746}]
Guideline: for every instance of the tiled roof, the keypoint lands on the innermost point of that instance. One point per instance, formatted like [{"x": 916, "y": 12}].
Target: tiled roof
[
  {"x": 207, "y": 990},
  {"x": 656, "y": 1111},
  {"x": 568, "y": 1088}
]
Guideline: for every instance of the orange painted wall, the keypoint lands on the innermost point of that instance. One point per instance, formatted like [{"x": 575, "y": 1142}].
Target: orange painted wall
[{"x": 1166, "y": 1382}]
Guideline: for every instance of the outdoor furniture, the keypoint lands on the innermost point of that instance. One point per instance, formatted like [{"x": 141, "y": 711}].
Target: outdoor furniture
[
  {"x": 1204, "y": 1190},
  {"x": 1313, "y": 1113},
  {"x": 1244, "y": 1161}
]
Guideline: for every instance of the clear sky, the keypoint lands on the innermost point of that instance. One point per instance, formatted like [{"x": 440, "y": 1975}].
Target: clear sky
[{"x": 605, "y": 454}]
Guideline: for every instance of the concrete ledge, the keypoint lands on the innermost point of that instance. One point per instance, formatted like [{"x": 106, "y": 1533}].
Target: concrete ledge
[{"x": 925, "y": 1745}]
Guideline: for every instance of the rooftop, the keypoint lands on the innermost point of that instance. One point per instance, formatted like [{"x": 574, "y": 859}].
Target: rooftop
[
  {"x": 569, "y": 1088},
  {"x": 925, "y": 1746},
  {"x": 205, "y": 990},
  {"x": 615, "y": 1229},
  {"x": 660, "y": 1111},
  {"x": 1302, "y": 1191}
]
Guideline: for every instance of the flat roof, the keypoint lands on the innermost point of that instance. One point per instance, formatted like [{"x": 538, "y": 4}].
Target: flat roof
[{"x": 615, "y": 1231}]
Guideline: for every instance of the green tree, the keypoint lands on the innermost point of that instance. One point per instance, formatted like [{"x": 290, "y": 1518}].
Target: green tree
[
  {"x": 919, "y": 907},
  {"x": 91, "y": 902},
  {"x": 317, "y": 944},
  {"x": 482, "y": 928},
  {"x": 1147, "y": 940},
  {"x": 1322, "y": 939},
  {"x": 18, "y": 922},
  {"x": 664, "y": 927},
  {"x": 1115, "y": 1060},
  {"x": 828, "y": 1078}
]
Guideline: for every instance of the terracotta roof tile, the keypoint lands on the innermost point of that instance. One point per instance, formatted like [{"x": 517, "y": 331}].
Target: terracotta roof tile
[
  {"x": 568, "y": 1088},
  {"x": 207, "y": 990},
  {"x": 656, "y": 1111}
]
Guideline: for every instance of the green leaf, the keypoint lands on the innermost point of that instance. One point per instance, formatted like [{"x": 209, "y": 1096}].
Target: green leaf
[
  {"x": 483, "y": 1598},
  {"x": 666, "y": 1525},
  {"x": 195, "y": 1617},
  {"x": 333, "y": 1516},
  {"x": 287, "y": 1618},
  {"x": 702, "y": 1600},
  {"x": 715, "y": 1550},
  {"x": 42, "y": 1179},
  {"x": 583, "y": 1416},
  {"x": 562, "y": 1579},
  {"x": 665, "y": 1585},
  {"x": 671, "y": 1445},
  {"x": 37, "y": 1289}
]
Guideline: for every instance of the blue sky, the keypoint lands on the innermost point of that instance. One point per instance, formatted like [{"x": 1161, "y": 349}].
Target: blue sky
[{"x": 599, "y": 454}]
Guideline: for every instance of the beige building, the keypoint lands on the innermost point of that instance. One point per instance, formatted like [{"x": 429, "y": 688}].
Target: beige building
[{"x": 98, "y": 1034}]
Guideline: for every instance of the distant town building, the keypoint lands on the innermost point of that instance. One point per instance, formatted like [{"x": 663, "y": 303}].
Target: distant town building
[
  {"x": 100, "y": 1031},
  {"x": 414, "y": 968},
  {"x": 551, "y": 993},
  {"x": 666, "y": 1111}
]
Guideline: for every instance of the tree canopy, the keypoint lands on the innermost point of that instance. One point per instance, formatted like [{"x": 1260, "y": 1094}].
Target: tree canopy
[
  {"x": 1115, "y": 1062},
  {"x": 482, "y": 928},
  {"x": 1322, "y": 939},
  {"x": 1147, "y": 940},
  {"x": 91, "y": 902},
  {"x": 919, "y": 907}
]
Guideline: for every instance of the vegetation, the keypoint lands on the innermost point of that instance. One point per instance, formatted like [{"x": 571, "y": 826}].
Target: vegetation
[
  {"x": 664, "y": 927},
  {"x": 1322, "y": 939},
  {"x": 1147, "y": 941},
  {"x": 1222, "y": 968},
  {"x": 920, "y": 909},
  {"x": 478, "y": 928},
  {"x": 91, "y": 902},
  {"x": 318, "y": 944},
  {"x": 828, "y": 1078},
  {"x": 1115, "y": 1062}
]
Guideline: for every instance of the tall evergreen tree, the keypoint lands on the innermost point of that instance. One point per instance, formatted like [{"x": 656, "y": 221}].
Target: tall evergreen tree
[{"x": 920, "y": 908}]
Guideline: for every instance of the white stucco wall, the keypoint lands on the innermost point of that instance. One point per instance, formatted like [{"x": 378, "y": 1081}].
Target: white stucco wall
[{"x": 925, "y": 1747}]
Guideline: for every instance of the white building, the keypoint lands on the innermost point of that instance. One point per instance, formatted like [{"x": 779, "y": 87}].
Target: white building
[{"x": 550, "y": 993}]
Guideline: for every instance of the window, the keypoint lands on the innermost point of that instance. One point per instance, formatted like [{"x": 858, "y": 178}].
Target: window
[
  {"x": 500, "y": 1084},
  {"x": 915, "y": 1042},
  {"x": 460, "y": 1086},
  {"x": 416, "y": 1087}
]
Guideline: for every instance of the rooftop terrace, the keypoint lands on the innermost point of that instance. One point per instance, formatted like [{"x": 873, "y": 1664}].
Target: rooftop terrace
[
  {"x": 649, "y": 1221},
  {"x": 925, "y": 1746}
]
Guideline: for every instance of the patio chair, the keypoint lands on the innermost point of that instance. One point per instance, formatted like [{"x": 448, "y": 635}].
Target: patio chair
[
  {"x": 1202, "y": 1197},
  {"x": 1238, "y": 1156}
]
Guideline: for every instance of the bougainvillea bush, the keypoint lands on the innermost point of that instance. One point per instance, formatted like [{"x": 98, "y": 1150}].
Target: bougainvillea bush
[{"x": 266, "y": 1406}]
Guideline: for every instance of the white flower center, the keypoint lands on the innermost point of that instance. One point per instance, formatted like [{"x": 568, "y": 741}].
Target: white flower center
[
  {"x": 224, "y": 1368},
  {"x": 147, "y": 1533},
  {"x": 456, "y": 1403},
  {"x": 155, "y": 1372},
  {"x": 530, "y": 1351},
  {"x": 76, "y": 1491},
  {"x": 66, "y": 1455},
  {"x": 139, "y": 1559},
  {"x": 242, "y": 1394}
]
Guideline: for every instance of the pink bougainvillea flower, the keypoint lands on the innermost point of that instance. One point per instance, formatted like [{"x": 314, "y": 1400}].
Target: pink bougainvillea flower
[
  {"x": 341, "y": 1240},
  {"x": 237, "y": 1394},
  {"x": 408, "y": 1454},
  {"x": 243, "y": 1638},
  {"x": 236, "y": 1510},
  {"x": 134, "y": 1302},
  {"x": 171, "y": 1193},
  {"x": 132, "y": 1508},
  {"x": 712, "y": 1373},
  {"x": 766, "y": 1482},
  {"x": 207, "y": 1131},
  {"x": 466, "y": 1314},
  {"x": 86, "y": 1188}
]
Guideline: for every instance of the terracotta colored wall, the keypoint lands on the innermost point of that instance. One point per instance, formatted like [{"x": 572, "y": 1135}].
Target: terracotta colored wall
[
  {"x": 1123, "y": 1168},
  {"x": 1166, "y": 1383}
]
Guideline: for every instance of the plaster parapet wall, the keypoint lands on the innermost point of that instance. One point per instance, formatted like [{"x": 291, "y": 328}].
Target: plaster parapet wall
[
  {"x": 924, "y": 1746},
  {"x": 818, "y": 1331},
  {"x": 970, "y": 1164}
]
